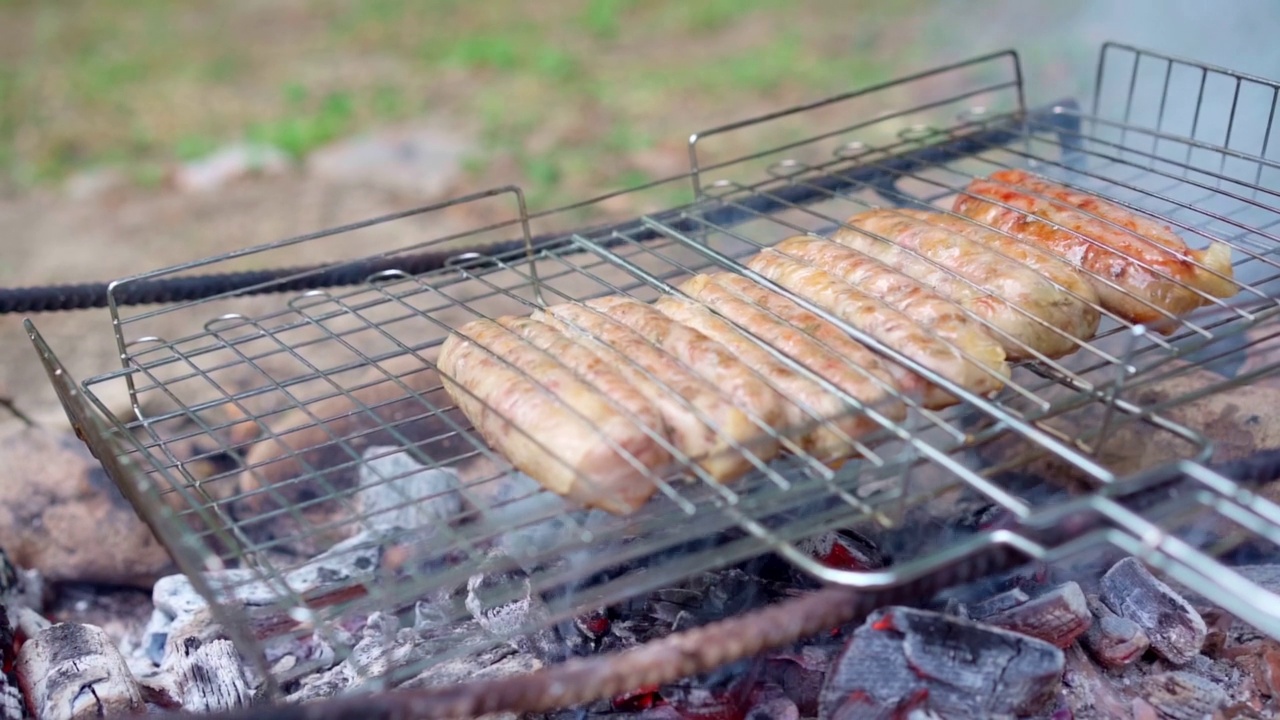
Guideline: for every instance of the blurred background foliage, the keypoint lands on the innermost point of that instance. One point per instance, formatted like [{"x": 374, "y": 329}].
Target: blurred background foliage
[
  {"x": 554, "y": 91},
  {"x": 561, "y": 95}
]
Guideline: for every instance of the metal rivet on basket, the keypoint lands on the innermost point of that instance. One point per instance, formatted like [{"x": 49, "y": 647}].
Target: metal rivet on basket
[
  {"x": 720, "y": 188},
  {"x": 851, "y": 149},
  {"x": 457, "y": 260},
  {"x": 227, "y": 322},
  {"x": 299, "y": 302},
  {"x": 385, "y": 276},
  {"x": 916, "y": 132},
  {"x": 786, "y": 168},
  {"x": 148, "y": 340}
]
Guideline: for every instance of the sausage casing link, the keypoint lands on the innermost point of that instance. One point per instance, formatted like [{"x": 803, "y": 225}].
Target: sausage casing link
[{"x": 548, "y": 422}]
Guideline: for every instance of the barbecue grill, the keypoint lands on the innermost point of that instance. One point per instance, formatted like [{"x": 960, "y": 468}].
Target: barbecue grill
[{"x": 329, "y": 368}]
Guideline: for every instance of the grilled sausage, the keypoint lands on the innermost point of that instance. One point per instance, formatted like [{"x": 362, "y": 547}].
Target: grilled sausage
[
  {"x": 547, "y": 422},
  {"x": 1057, "y": 270},
  {"x": 818, "y": 421},
  {"x": 1140, "y": 268},
  {"x": 601, "y": 375},
  {"x": 987, "y": 275},
  {"x": 889, "y": 306},
  {"x": 703, "y": 356},
  {"x": 859, "y": 374},
  {"x": 810, "y": 327},
  {"x": 704, "y": 424}
]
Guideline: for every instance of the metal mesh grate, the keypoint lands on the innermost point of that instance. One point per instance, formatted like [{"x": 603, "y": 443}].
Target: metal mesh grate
[{"x": 289, "y": 427}]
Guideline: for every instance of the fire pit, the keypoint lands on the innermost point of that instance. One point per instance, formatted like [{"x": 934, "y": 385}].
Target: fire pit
[{"x": 1095, "y": 540}]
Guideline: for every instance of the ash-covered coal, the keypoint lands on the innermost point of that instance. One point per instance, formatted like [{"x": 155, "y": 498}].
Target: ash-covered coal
[
  {"x": 907, "y": 659},
  {"x": 518, "y": 618},
  {"x": 1039, "y": 649},
  {"x": 704, "y": 598}
]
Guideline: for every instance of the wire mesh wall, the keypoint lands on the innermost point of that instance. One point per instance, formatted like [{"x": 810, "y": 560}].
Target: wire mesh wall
[{"x": 303, "y": 455}]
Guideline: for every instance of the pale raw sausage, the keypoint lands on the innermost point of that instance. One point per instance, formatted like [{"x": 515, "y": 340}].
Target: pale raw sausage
[{"x": 546, "y": 421}]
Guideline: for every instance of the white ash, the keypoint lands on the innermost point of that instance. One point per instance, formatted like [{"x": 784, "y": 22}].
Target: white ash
[
  {"x": 181, "y": 614},
  {"x": 1089, "y": 692},
  {"x": 519, "y": 522},
  {"x": 511, "y": 513},
  {"x": 502, "y": 601},
  {"x": 28, "y": 621},
  {"x": 210, "y": 677},
  {"x": 383, "y": 646},
  {"x": 512, "y": 500},
  {"x": 290, "y": 657},
  {"x": 72, "y": 671},
  {"x": 493, "y": 663},
  {"x": 20, "y": 587},
  {"x": 397, "y": 491},
  {"x": 348, "y": 563},
  {"x": 12, "y": 706},
  {"x": 386, "y": 653},
  {"x": 397, "y": 495}
]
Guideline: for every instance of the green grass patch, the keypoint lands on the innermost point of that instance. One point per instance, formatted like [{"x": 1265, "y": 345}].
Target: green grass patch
[
  {"x": 785, "y": 62},
  {"x": 485, "y": 52},
  {"x": 125, "y": 81},
  {"x": 474, "y": 165},
  {"x": 543, "y": 171},
  {"x": 388, "y": 103},
  {"x": 602, "y": 19},
  {"x": 194, "y": 147},
  {"x": 223, "y": 69},
  {"x": 557, "y": 65},
  {"x": 148, "y": 175},
  {"x": 622, "y": 137},
  {"x": 714, "y": 15},
  {"x": 518, "y": 50},
  {"x": 309, "y": 125}
]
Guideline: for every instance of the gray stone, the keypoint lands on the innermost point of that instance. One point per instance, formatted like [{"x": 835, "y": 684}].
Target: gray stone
[
  {"x": 62, "y": 516},
  {"x": 95, "y": 184},
  {"x": 419, "y": 161},
  {"x": 225, "y": 166}
]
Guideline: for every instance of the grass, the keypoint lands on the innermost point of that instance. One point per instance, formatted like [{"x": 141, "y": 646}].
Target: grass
[
  {"x": 308, "y": 123},
  {"x": 564, "y": 98}
]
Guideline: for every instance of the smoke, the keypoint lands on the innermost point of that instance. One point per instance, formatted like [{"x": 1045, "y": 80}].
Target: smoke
[
  {"x": 1238, "y": 34},
  {"x": 1060, "y": 41}
]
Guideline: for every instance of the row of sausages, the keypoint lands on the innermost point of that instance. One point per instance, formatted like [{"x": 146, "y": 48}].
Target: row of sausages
[{"x": 595, "y": 399}]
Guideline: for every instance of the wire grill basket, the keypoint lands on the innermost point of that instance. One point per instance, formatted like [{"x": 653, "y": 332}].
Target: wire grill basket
[{"x": 278, "y": 432}]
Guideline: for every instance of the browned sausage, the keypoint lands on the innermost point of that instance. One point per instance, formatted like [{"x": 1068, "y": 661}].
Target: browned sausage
[
  {"x": 999, "y": 279},
  {"x": 1140, "y": 268},
  {"x": 890, "y": 307}
]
